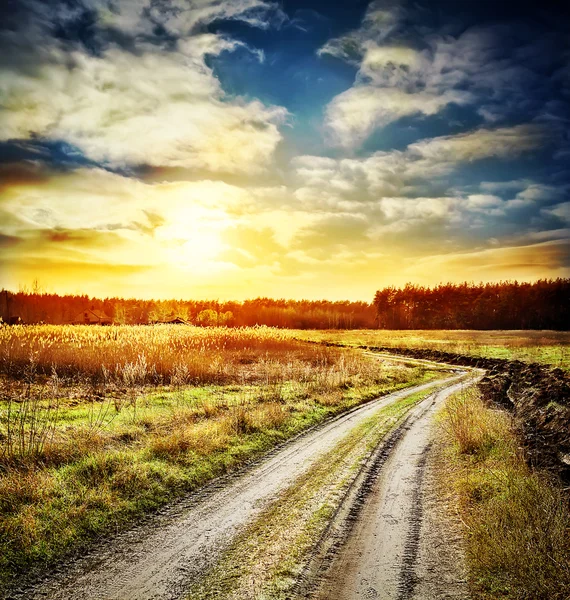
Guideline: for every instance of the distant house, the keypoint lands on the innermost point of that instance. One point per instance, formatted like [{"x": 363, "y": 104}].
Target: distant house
[
  {"x": 92, "y": 317},
  {"x": 172, "y": 321}
]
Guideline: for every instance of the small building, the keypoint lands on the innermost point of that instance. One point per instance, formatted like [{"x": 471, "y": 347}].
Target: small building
[
  {"x": 91, "y": 316},
  {"x": 172, "y": 321}
]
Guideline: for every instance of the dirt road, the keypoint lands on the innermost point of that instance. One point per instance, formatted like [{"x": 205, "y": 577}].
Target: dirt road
[
  {"x": 158, "y": 560},
  {"x": 379, "y": 555}
]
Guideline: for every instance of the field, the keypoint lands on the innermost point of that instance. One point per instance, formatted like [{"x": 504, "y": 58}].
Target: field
[
  {"x": 100, "y": 425},
  {"x": 547, "y": 347}
]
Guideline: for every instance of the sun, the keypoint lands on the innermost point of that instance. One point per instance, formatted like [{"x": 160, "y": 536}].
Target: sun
[{"x": 192, "y": 244}]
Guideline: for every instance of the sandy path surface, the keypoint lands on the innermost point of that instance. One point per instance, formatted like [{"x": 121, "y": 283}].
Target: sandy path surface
[
  {"x": 158, "y": 560},
  {"x": 440, "y": 570},
  {"x": 383, "y": 556}
]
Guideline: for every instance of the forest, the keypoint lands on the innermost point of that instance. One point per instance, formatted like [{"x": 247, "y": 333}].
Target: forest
[{"x": 544, "y": 304}]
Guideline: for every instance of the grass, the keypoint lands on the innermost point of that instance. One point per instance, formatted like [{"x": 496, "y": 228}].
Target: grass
[
  {"x": 131, "y": 356},
  {"x": 85, "y": 449},
  {"x": 516, "y": 521},
  {"x": 267, "y": 558},
  {"x": 547, "y": 347}
]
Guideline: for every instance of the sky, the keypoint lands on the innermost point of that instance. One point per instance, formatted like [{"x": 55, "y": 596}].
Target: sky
[{"x": 298, "y": 149}]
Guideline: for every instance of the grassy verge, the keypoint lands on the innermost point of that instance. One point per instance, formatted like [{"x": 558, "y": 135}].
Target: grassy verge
[
  {"x": 546, "y": 347},
  {"x": 265, "y": 561},
  {"x": 516, "y": 522},
  {"x": 96, "y": 465}
]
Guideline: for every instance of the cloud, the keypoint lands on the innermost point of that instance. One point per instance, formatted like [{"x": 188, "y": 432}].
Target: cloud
[
  {"x": 180, "y": 17},
  {"x": 561, "y": 211},
  {"x": 345, "y": 184},
  {"x": 500, "y": 142},
  {"x": 159, "y": 105},
  {"x": 407, "y": 204},
  {"x": 483, "y": 201},
  {"x": 381, "y": 20},
  {"x": 250, "y": 246},
  {"x": 353, "y": 115},
  {"x": 124, "y": 149},
  {"x": 333, "y": 235},
  {"x": 143, "y": 18},
  {"x": 406, "y": 68},
  {"x": 392, "y": 79},
  {"x": 525, "y": 263},
  {"x": 187, "y": 224},
  {"x": 7, "y": 241},
  {"x": 14, "y": 173}
]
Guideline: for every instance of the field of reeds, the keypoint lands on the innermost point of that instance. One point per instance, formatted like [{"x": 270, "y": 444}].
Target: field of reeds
[
  {"x": 546, "y": 347},
  {"x": 99, "y": 425},
  {"x": 145, "y": 354}
]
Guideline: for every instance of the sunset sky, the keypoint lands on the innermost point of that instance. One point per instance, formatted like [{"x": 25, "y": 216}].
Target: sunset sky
[{"x": 299, "y": 149}]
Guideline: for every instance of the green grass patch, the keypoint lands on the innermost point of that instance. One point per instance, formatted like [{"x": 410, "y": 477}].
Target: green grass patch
[{"x": 546, "y": 347}]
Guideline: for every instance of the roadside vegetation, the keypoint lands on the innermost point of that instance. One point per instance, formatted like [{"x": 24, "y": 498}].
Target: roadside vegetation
[
  {"x": 516, "y": 520},
  {"x": 546, "y": 347},
  {"x": 101, "y": 425}
]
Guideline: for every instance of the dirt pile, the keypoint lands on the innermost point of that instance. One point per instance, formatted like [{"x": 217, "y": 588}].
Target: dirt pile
[
  {"x": 541, "y": 403},
  {"x": 538, "y": 396}
]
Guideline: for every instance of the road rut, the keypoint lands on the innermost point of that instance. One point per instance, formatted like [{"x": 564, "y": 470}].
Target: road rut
[{"x": 159, "y": 560}]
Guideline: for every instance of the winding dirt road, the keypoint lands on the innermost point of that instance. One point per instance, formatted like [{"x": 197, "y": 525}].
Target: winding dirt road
[
  {"x": 158, "y": 560},
  {"x": 379, "y": 553}
]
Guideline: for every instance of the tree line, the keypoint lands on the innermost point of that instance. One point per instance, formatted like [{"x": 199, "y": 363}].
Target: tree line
[
  {"x": 38, "y": 307},
  {"x": 544, "y": 304}
]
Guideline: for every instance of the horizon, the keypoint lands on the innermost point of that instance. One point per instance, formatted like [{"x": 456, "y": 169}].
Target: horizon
[{"x": 286, "y": 150}]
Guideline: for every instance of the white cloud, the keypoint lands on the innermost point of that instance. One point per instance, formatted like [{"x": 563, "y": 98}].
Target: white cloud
[
  {"x": 353, "y": 115},
  {"x": 504, "y": 186},
  {"x": 418, "y": 71},
  {"x": 381, "y": 20},
  {"x": 178, "y": 17},
  {"x": 407, "y": 201},
  {"x": 328, "y": 182},
  {"x": 486, "y": 203},
  {"x": 562, "y": 211},
  {"x": 157, "y": 107},
  {"x": 482, "y": 143}
]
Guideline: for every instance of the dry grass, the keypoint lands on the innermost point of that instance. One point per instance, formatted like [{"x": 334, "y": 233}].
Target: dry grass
[
  {"x": 131, "y": 356},
  {"x": 517, "y": 523},
  {"x": 474, "y": 429}
]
